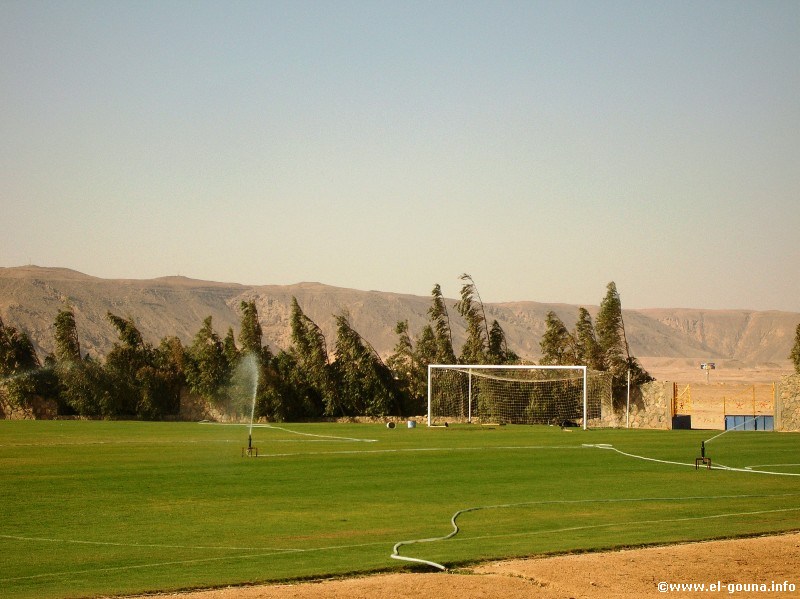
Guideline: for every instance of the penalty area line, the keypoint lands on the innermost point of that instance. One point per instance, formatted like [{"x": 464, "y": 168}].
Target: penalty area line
[
  {"x": 770, "y": 466},
  {"x": 632, "y": 523},
  {"x": 416, "y": 450},
  {"x": 287, "y": 430},
  {"x": 251, "y": 556},
  {"x": 135, "y": 545}
]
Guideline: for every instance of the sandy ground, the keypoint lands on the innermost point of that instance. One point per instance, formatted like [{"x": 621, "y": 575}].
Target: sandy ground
[
  {"x": 626, "y": 574},
  {"x": 687, "y": 370}
]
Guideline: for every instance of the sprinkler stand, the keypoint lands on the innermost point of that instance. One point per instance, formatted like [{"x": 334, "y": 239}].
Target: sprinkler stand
[
  {"x": 250, "y": 451},
  {"x": 702, "y": 459}
]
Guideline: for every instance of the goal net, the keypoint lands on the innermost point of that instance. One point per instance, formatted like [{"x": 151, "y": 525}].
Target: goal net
[{"x": 518, "y": 394}]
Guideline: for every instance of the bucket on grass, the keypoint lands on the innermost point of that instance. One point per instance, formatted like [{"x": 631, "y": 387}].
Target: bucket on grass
[{"x": 412, "y": 424}]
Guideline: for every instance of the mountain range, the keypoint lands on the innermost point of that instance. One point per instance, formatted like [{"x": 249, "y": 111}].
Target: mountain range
[{"x": 30, "y": 297}]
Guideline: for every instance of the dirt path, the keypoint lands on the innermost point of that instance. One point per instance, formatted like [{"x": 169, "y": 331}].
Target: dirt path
[{"x": 625, "y": 574}]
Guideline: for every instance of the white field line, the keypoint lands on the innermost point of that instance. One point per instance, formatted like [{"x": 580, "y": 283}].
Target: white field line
[
  {"x": 415, "y": 450},
  {"x": 453, "y": 520},
  {"x": 270, "y": 553},
  {"x": 714, "y": 467},
  {"x": 634, "y": 523},
  {"x": 281, "y": 428},
  {"x": 150, "y": 443},
  {"x": 770, "y": 466},
  {"x": 137, "y": 545}
]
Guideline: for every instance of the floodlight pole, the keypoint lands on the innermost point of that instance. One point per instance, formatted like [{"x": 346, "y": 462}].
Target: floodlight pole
[
  {"x": 585, "y": 399},
  {"x": 469, "y": 397},
  {"x": 429, "y": 394},
  {"x": 628, "y": 403}
]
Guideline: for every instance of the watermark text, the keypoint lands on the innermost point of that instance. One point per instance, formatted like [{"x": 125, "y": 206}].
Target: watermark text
[{"x": 728, "y": 587}]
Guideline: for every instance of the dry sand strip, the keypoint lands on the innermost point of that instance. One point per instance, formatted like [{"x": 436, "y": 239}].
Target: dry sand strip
[{"x": 627, "y": 574}]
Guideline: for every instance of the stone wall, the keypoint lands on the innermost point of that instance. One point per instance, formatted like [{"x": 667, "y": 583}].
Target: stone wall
[
  {"x": 787, "y": 404},
  {"x": 651, "y": 407},
  {"x": 194, "y": 408},
  {"x": 36, "y": 409}
]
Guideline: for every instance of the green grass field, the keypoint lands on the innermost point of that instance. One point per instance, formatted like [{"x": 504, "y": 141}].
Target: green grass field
[{"x": 104, "y": 508}]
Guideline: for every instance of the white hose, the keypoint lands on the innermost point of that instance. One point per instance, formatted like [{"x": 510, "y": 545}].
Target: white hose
[
  {"x": 714, "y": 467},
  {"x": 454, "y": 532},
  {"x": 396, "y": 549}
]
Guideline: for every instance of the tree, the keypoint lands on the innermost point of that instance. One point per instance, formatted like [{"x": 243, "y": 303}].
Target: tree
[
  {"x": 365, "y": 384},
  {"x": 411, "y": 375},
  {"x": 229, "y": 348},
  {"x": 401, "y": 362},
  {"x": 498, "y": 352},
  {"x": 129, "y": 367},
  {"x": 208, "y": 371},
  {"x": 471, "y": 309},
  {"x": 297, "y": 400},
  {"x": 250, "y": 333},
  {"x": 269, "y": 400},
  {"x": 67, "y": 345},
  {"x": 795, "y": 355},
  {"x": 309, "y": 353},
  {"x": 17, "y": 353},
  {"x": 610, "y": 331},
  {"x": 426, "y": 348},
  {"x": 440, "y": 327},
  {"x": 557, "y": 344},
  {"x": 162, "y": 395},
  {"x": 587, "y": 349},
  {"x": 129, "y": 334},
  {"x": 157, "y": 395},
  {"x": 20, "y": 378},
  {"x": 82, "y": 383},
  {"x": 85, "y": 389},
  {"x": 613, "y": 344}
]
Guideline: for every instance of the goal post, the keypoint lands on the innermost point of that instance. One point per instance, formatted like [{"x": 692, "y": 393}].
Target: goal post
[{"x": 510, "y": 394}]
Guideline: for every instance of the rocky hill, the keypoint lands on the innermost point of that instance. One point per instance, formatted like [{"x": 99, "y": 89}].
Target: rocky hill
[{"x": 31, "y": 296}]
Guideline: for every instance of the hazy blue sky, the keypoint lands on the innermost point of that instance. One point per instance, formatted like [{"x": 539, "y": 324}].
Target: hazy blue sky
[{"x": 546, "y": 148}]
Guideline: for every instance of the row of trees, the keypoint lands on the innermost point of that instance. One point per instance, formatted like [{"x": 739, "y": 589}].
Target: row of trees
[{"x": 137, "y": 379}]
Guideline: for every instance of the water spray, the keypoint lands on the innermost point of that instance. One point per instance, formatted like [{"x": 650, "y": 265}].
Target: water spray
[
  {"x": 248, "y": 370},
  {"x": 746, "y": 420},
  {"x": 24, "y": 374},
  {"x": 707, "y": 461}
]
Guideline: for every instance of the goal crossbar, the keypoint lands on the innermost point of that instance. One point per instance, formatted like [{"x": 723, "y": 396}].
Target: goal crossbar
[{"x": 475, "y": 369}]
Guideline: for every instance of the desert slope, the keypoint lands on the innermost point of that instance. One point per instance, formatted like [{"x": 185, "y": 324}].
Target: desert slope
[{"x": 31, "y": 296}]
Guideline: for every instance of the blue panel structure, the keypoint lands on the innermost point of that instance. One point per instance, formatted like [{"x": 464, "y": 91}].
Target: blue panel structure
[{"x": 749, "y": 423}]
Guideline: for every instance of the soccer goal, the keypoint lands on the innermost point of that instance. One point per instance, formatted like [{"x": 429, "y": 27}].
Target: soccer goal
[{"x": 513, "y": 394}]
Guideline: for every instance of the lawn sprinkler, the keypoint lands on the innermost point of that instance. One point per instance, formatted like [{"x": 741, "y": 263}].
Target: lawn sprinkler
[
  {"x": 250, "y": 451},
  {"x": 247, "y": 371},
  {"x": 702, "y": 459}
]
